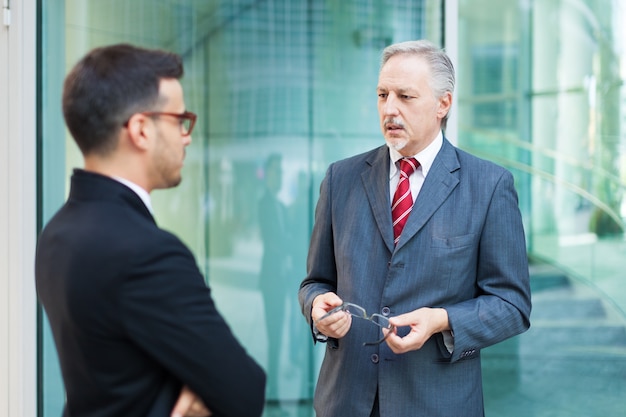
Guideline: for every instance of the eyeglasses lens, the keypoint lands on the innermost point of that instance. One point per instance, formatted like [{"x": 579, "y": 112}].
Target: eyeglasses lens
[
  {"x": 381, "y": 321},
  {"x": 355, "y": 310},
  {"x": 185, "y": 124},
  {"x": 360, "y": 312}
]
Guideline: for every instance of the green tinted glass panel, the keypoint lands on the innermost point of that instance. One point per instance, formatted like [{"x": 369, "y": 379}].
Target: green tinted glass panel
[{"x": 281, "y": 88}]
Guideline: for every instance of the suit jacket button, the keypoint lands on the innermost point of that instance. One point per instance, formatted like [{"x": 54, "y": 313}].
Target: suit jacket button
[
  {"x": 385, "y": 311},
  {"x": 374, "y": 358}
]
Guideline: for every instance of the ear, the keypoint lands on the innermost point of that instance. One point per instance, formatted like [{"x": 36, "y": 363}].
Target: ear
[
  {"x": 445, "y": 102},
  {"x": 140, "y": 130}
]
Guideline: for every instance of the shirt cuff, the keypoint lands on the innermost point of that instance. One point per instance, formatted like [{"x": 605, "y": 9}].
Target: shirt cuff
[
  {"x": 448, "y": 340},
  {"x": 319, "y": 336}
]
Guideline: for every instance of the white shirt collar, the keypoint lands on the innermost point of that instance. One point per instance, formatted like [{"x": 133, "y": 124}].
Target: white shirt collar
[
  {"x": 143, "y": 194},
  {"x": 426, "y": 157}
]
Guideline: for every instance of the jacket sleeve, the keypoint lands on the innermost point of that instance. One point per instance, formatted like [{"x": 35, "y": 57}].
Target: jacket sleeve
[
  {"x": 502, "y": 306},
  {"x": 321, "y": 268},
  {"x": 168, "y": 312}
]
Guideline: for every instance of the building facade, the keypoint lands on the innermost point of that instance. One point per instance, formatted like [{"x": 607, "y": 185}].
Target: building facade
[{"x": 283, "y": 88}]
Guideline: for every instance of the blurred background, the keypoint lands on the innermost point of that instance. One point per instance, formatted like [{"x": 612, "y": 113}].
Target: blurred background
[{"x": 283, "y": 88}]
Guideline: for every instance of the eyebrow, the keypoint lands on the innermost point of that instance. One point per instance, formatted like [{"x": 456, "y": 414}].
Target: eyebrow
[{"x": 401, "y": 91}]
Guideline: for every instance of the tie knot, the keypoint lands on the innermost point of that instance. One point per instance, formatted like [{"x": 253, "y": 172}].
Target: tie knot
[{"x": 408, "y": 165}]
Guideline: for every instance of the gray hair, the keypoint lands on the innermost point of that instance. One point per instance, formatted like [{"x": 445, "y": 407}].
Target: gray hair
[{"x": 441, "y": 68}]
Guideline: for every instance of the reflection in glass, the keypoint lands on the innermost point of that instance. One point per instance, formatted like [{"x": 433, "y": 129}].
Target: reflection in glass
[
  {"x": 276, "y": 267},
  {"x": 541, "y": 91},
  {"x": 287, "y": 77}
]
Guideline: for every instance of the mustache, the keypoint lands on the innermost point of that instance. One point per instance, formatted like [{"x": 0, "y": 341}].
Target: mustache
[{"x": 394, "y": 122}]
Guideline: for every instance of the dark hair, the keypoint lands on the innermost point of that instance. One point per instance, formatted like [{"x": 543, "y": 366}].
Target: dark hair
[
  {"x": 108, "y": 86},
  {"x": 441, "y": 68}
]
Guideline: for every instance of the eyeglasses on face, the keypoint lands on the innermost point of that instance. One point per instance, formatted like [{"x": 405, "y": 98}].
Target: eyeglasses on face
[
  {"x": 359, "y": 312},
  {"x": 187, "y": 120}
]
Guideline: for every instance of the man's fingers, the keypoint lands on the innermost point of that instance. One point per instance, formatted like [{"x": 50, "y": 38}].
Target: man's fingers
[
  {"x": 189, "y": 404},
  {"x": 185, "y": 400}
]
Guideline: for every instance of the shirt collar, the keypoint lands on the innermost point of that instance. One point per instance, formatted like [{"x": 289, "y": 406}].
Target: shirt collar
[
  {"x": 143, "y": 194},
  {"x": 426, "y": 157}
]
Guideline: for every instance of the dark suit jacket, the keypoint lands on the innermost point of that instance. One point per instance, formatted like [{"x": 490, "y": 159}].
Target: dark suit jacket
[
  {"x": 462, "y": 248},
  {"x": 131, "y": 315}
]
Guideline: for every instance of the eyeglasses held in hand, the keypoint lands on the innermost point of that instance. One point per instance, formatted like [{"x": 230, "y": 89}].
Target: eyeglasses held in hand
[
  {"x": 187, "y": 120},
  {"x": 359, "y": 312}
]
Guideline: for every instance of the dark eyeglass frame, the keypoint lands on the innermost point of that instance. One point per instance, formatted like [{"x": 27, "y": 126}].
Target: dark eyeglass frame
[
  {"x": 182, "y": 117},
  {"x": 362, "y": 314}
]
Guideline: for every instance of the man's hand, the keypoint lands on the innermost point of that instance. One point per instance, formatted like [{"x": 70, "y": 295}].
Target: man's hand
[
  {"x": 190, "y": 405},
  {"x": 336, "y": 325},
  {"x": 424, "y": 323}
]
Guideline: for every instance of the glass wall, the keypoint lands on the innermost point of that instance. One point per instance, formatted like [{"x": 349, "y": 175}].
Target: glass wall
[
  {"x": 540, "y": 91},
  {"x": 282, "y": 88}
]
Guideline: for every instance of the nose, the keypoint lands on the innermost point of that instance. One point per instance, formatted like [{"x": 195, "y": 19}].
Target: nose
[
  {"x": 186, "y": 140},
  {"x": 389, "y": 106}
]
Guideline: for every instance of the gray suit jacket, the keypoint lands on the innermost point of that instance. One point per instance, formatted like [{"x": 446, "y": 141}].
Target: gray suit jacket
[{"x": 462, "y": 248}]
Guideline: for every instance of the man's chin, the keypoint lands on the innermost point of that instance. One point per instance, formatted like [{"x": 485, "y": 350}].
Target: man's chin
[
  {"x": 396, "y": 144},
  {"x": 175, "y": 181},
  {"x": 169, "y": 183}
]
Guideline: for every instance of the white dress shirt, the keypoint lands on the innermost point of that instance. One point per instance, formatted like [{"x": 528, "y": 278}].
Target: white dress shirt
[
  {"x": 143, "y": 194},
  {"x": 426, "y": 158}
]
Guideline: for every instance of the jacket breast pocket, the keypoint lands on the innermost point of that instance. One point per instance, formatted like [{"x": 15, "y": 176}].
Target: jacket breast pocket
[
  {"x": 454, "y": 256},
  {"x": 454, "y": 242}
]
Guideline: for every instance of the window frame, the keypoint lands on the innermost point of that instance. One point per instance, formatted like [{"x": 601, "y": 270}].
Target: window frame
[{"x": 18, "y": 167}]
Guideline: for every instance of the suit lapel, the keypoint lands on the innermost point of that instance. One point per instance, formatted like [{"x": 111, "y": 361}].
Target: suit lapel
[
  {"x": 376, "y": 183},
  {"x": 439, "y": 183}
]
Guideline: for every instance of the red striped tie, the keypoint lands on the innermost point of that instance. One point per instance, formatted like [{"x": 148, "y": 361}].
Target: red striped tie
[{"x": 402, "y": 199}]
